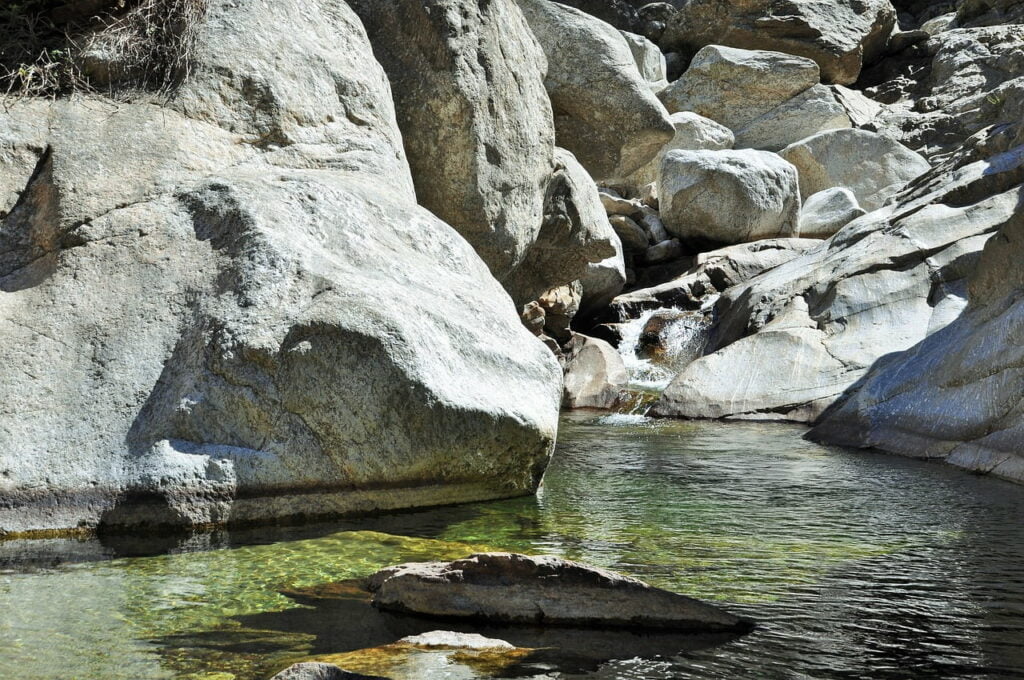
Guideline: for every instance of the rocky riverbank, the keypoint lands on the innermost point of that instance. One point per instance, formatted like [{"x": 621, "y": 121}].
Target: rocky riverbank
[{"x": 319, "y": 258}]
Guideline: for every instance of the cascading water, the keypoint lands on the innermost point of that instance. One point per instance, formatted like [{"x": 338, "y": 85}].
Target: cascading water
[{"x": 655, "y": 347}]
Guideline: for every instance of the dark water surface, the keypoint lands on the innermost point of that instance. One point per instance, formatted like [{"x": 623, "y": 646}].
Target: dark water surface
[{"x": 855, "y": 565}]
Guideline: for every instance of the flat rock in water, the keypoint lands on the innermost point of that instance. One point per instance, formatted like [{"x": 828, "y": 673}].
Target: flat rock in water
[
  {"x": 321, "y": 671},
  {"x": 447, "y": 639},
  {"x": 513, "y": 588}
]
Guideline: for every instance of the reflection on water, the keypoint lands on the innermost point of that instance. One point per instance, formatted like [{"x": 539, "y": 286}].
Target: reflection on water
[{"x": 856, "y": 565}]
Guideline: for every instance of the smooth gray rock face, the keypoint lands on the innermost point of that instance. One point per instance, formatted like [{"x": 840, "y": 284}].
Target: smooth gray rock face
[
  {"x": 826, "y": 212},
  {"x": 664, "y": 251},
  {"x": 513, "y": 588},
  {"x": 692, "y": 132},
  {"x": 305, "y": 97},
  {"x": 768, "y": 99},
  {"x": 615, "y": 127},
  {"x": 881, "y": 285},
  {"x": 957, "y": 395},
  {"x": 632, "y": 235},
  {"x": 603, "y": 281},
  {"x": 221, "y": 328},
  {"x": 649, "y": 61},
  {"x": 468, "y": 80},
  {"x": 734, "y": 86},
  {"x": 866, "y": 163},
  {"x": 728, "y": 196},
  {"x": 860, "y": 109},
  {"x": 938, "y": 24},
  {"x": 840, "y": 36},
  {"x": 975, "y": 79},
  {"x": 575, "y": 234},
  {"x": 320, "y": 671},
  {"x": 594, "y": 374},
  {"x": 713, "y": 273},
  {"x": 814, "y": 110}
]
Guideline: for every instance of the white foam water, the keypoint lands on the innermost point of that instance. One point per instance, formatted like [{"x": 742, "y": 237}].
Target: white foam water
[{"x": 683, "y": 341}]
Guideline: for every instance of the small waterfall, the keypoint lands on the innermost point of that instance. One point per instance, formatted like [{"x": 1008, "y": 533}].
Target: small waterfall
[
  {"x": 655, "y": 347},
  {"x": 644, "y": 374}
]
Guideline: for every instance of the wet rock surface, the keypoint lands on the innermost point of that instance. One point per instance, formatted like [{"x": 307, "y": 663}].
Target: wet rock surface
[{"x": 512, "y": 588}]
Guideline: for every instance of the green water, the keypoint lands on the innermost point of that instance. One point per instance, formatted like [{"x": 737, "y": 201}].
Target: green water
[{"x": 854, "y": 564}]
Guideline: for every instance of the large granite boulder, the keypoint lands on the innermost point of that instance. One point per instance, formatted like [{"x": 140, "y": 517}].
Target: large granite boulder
[
  {"x": 511, "y": 588},
  {"x": 649, "y": 61},
  {"x": 870, "y": 165},
  {"x": 828, "y": 211},
  {"x": 734, "y": 86},
  {"x": 574, "y": 235},
  {"x": 245, "y": 316},
  {"x": 693, "y": 132},
  {"x": 595, "y": 374},
  {"x": 768, "y": 99},
  {"x": 468, "y": 83},
  {"x": 790, "y": 342},
  {"x": 605, "y": 112},
  {"x": 841, "y": 36},
  {"x": 814, "y": 110},
  {"x": 958, "y": 395},
  {"x": 728, "y": 196}
]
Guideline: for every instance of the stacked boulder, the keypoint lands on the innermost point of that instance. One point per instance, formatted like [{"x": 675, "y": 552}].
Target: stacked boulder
[
  {"x": 840, "y": 36},
  {"x": 881, "y": 285},
  {"x": 768, "y": 99}
]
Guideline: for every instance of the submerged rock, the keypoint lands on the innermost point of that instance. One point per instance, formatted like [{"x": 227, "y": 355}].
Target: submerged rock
[
  {"x": 433, "y": 654},
  {"x": 515, "y": 588},
  {"x": 446, "y": 639},
  {"x": 321, "y": 671}
]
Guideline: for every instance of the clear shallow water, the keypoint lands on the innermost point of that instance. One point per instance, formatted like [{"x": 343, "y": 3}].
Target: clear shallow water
[{"x": 855, "y": 565}]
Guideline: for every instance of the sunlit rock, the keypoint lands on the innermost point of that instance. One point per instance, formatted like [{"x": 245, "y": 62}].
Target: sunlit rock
[{"x": 515, "y": 588}]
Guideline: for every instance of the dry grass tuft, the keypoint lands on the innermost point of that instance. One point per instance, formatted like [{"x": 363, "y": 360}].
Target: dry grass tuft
[{"x": 50, "y": 48}]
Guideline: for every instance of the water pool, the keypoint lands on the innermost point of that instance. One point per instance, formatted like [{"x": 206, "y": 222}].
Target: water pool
[{"x": 855, "y": 565}]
